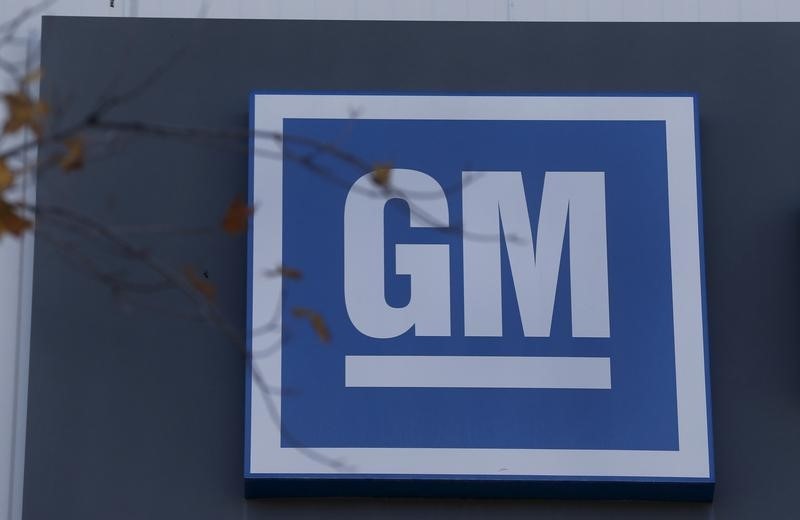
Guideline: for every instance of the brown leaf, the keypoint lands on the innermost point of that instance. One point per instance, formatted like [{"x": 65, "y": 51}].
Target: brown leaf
[
  {"x": 316, "y": 320},
  {"x": 22, "y": 112},
  {"x": 11, "y": 221},
  {"x": 73, "y": 158},
  {"x": 204, "y": 287},
  {"x": 32, "y": 76},
  {"x": 381, "y": 175},
  {"x": 237, "y": 217},
  {"x": 6, "y": 176},
  {"x": 286, "y": 272}
]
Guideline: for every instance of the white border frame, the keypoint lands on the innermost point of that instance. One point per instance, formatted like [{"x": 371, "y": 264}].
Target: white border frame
[{"x": 690, "y": 461}]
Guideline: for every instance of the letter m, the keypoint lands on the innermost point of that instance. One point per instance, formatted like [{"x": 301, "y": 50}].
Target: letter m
[{"x": 575, "y": 197}]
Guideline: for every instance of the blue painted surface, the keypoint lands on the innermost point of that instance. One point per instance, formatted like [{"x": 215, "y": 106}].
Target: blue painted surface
[
  {"x": 640, "y": 144},
  {"x": 639, "y": 412}
]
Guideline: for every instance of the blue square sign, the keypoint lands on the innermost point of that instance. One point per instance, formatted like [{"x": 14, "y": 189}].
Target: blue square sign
[{"x": 513, "y": 288}]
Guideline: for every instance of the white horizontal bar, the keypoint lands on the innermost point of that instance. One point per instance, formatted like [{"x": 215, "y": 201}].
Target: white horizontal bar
[{"x": 478, "y": 372}]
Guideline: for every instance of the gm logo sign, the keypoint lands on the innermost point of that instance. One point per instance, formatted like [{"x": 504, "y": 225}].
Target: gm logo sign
[{"x": 513, "y": 286}]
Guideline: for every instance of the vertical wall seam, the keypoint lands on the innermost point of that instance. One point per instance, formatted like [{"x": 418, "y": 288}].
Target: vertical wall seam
[
  {"x": 15, "y": 405},
  {"x": 19, "y": 409}
]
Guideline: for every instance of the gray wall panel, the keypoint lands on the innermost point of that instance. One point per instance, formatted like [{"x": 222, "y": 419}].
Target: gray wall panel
[{"x": 139, "y": 415}]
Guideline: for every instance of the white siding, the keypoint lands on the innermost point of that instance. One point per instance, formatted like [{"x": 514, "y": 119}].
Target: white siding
[{"x": 16, "y": 256}]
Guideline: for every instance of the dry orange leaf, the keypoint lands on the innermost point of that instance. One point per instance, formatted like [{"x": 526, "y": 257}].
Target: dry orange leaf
[
  {"x": 237, "y": 216},
  {"x": 317, "y": 322},
  {"x": 6, "y": 176},
  {"x": 32, "y": 76},
  {"x": 286, "y": 272},
  {"x": 290, "y": 272},
  {"x": 22, "y": 112},
  {"x": 204, "y": 287},
  {"x": 381, "y": 175},
  {"x": 73, "y": 158},
  {"x": 11, "y": 221}
]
